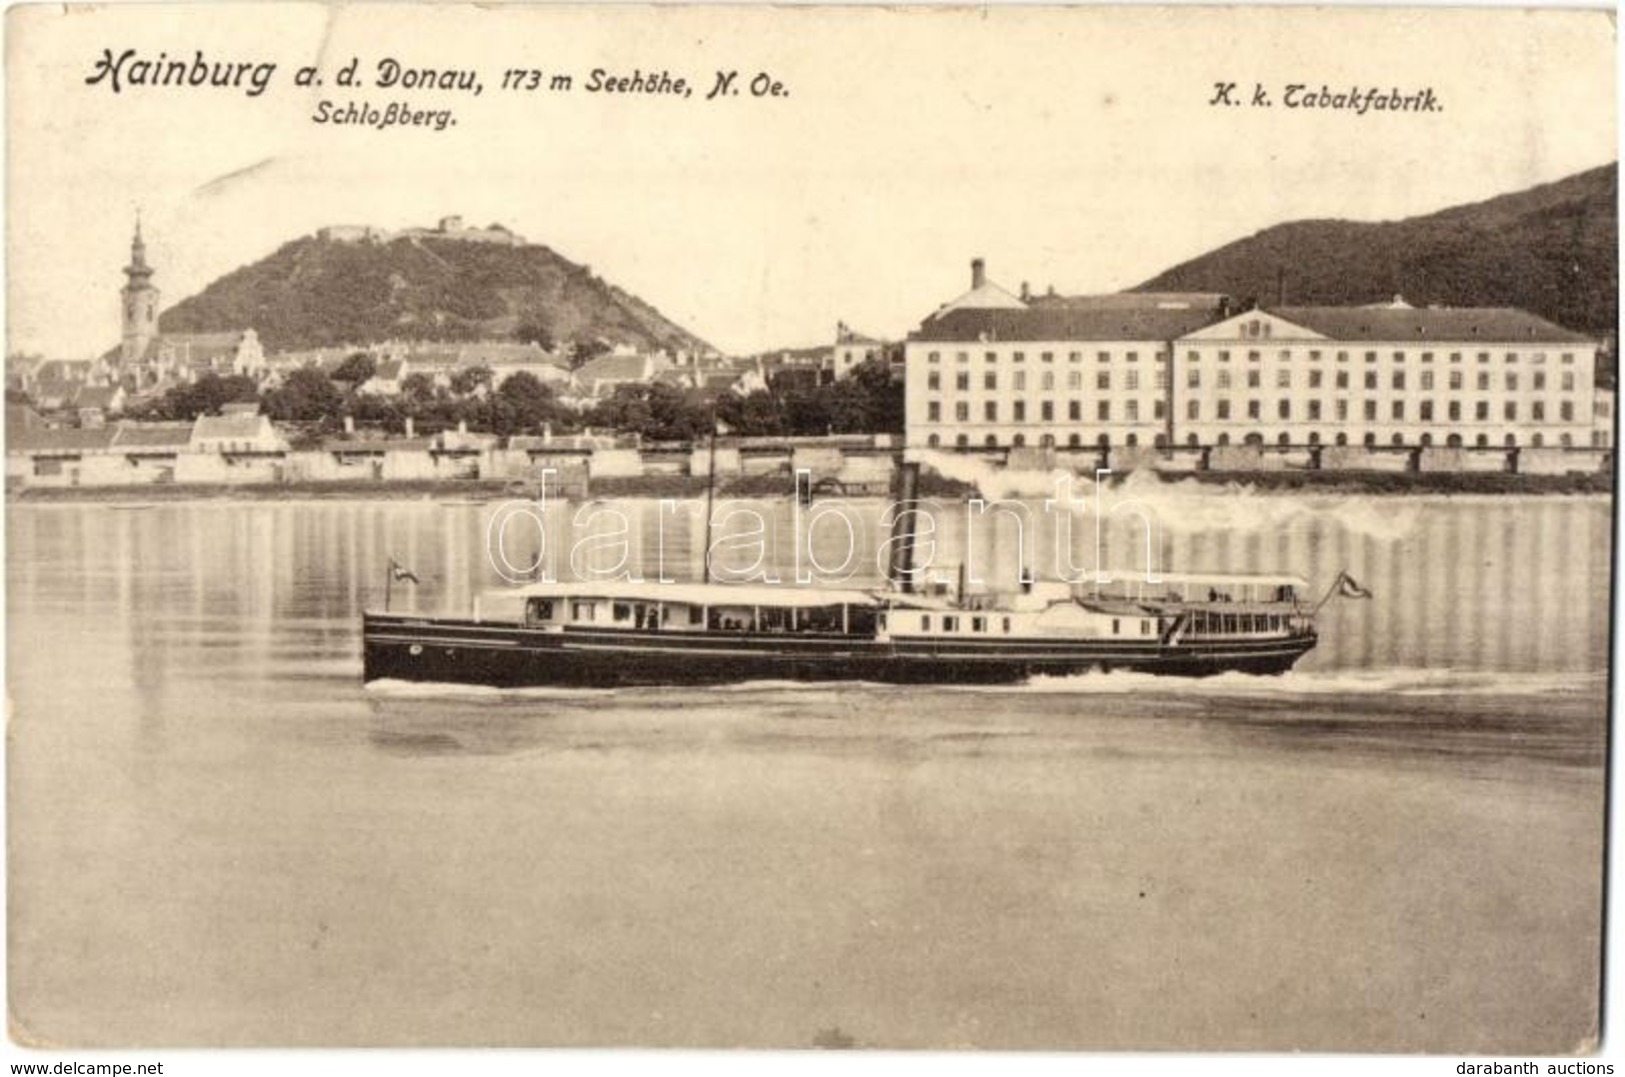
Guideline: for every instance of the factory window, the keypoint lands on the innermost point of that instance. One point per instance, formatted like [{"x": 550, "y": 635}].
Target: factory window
[
  {"x": 1253, "y": 357},
  {"x": 1427, "y": 411},
  {"x": 1537, "y": 411},
  {"x": 962, "y": 380},
  {"x": 1453, "y": 410},
  {"x": 1481, "y": 411},
  {"x": 1427, "y": 379},
  {"x": 990, "y": 441},
  {"x": 934, "y": 357},
  {"x": 1455, "y": 357},
  {"x": 963, "y": 440},
  {"x": 1341, "y": 407},
  {"x": 1427, "y": 357},
  {"x": 1399, "y": 357},
  {"x": 1283, "y": 409},
  {"x": 1103, "y": 380},
  {"x": 1193, "y": 379},
  {"x": 1104, "y": 411},
  {"x": 1047, "y": 380},
  {"x": 1019, "y": 409},
  {"x": 1314, "y": 356},
  {"x": 1568, "y": 381},
  {"x": 1162, "y": 377},
  {"x": 1134, "y": 357},
  {"x": 1370, "y": 411},
  {"x": 1074, "y": 410},
  {"x": 1511, "y": 411},
  {"x": 990, "y": 411},
  {"x": 1314, "y": 411},
  {"x": 1540, "y": 379},
  {"x": 1224, "y": 357},
  {"x": 1314, "y": 379},
  {"x": 1512, "y": 357},
  {"x": 1074, "y": 440},
  {"x": 964, "y": 357},
  {"x": 1157, "y": 409},
  {"x": 1020, "y": 378},
  {"x": 1483, "y": 357},
  {"x": 978, "y": 624},
  {"x": 962, "y": 412},
  {"x": 1020, "y": 357},
  {"x": 1399, "y": 379},
  {"x": 1286, "y": 354},
  {"x": 1568, "y": 357},
  {"x": 1483, "y": 380},
  {"x": 1371, "y": 379},
  {"x": 1074, "y": 379},
  {"x": 1455, "y": 379},
  {"x": 1342, "y": 357},
  {"x": 1046, "y": 412},
  {"x": 1283, "y": 379},
  {"x": 1074, "y": 357},
  {"x": 1224, "y": 379},
  {"x": 1131, "y": 379},
  {"x": 1046, "y": 357},
  {"x": 990, "y": 380},
  {"x": 1370, "y": 438},
  {"x": 933, "y": 381},
  {"x": 1565, "y": 411},
  {"x": 1254, "y": 409},
  {"x": 1342, "y": 379},
  {"x": 933, "y": 441},
  {"x": 1399, "y": 411},
  {"x": 1132, "y": 411},
  {"x": 1371, "y": 357},
  {"x": 933, "y": 412},
  {"x": 1103, "y": 357},
  {"x": 1253, "y": 379},
  {"x": 1193, "y": 356},
  {"x": 950, "y": 624},
  {"x": 1512, "y": 380}
]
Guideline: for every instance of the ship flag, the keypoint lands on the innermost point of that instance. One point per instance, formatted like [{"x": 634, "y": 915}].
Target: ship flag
[
  {"x": 397, "y": 571},
  {"x": 1348, "y": 587}
]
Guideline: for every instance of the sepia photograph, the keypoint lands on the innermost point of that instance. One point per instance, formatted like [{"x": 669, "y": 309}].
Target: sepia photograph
[{"x": 941, "y": 529}]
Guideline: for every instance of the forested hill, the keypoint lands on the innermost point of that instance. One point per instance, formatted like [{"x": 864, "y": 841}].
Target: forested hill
[
  {"x": 1550, "y": 250},
  {"x": 316, "y": 292}
]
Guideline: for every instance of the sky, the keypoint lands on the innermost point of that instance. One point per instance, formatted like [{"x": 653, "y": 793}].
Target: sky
[{"x": 1068, "y": 147}]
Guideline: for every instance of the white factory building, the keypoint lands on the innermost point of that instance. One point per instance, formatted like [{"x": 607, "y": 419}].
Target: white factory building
[{"x": 1142, "y": 369}]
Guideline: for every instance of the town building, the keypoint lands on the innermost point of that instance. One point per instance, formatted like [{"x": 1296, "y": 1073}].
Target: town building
[{"x": 1149, "y": 369}]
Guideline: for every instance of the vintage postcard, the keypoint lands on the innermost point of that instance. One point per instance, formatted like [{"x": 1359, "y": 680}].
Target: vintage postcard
[{"x": 1042, "y": 528}]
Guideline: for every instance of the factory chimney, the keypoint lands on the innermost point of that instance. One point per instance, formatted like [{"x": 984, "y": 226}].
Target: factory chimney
[{"x": 978, "y": 273}]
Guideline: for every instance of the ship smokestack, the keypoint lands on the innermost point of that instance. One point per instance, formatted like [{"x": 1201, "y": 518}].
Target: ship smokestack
[
  {"x": 978, "y": 273},
  {"x": 906, "y": 504}
]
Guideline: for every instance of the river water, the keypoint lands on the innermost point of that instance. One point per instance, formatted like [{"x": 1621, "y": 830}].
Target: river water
[{"x": 218, "y": 836}]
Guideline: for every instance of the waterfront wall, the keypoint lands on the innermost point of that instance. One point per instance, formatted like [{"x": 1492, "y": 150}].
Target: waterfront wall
[{"x": 856, "y": 469}]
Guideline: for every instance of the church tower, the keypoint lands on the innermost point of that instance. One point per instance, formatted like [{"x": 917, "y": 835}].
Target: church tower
[{"x": 140, "y": 303}]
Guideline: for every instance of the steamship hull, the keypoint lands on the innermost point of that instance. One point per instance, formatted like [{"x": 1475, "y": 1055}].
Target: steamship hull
[{"x": 456, "y": 651}]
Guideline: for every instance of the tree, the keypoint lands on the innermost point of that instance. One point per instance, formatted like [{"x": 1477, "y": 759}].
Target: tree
[
  {"x": 534, "y": 330},
  {"x": 305, "y": 395},
  {"x": 418, "y": 390},
  {"x": 469, "y": 379},
  {"x": 356, "y": 369},
  {"x": 521, "y": 403}
]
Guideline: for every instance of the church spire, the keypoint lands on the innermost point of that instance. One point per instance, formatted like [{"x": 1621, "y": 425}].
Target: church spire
[{"x": 138, "y": 271}]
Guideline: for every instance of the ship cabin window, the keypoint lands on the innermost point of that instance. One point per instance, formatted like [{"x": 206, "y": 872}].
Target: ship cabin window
[
  {"x": 1117, "y": 626},
  {"x": 621, "y": 612},
  {"x": 696, "y": 615},
  {"x": 1145, "y": 628},
  {"x": 978, "y": 624},
  {"x": 880, "y": 621},
  {"x": 538, "y": 610},
  {"x": 950, "y": 624},
  {"x": 581, "y": 611},
  {"x": 925, "y": 622},
  {"x": 1007, "y": 626}
]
